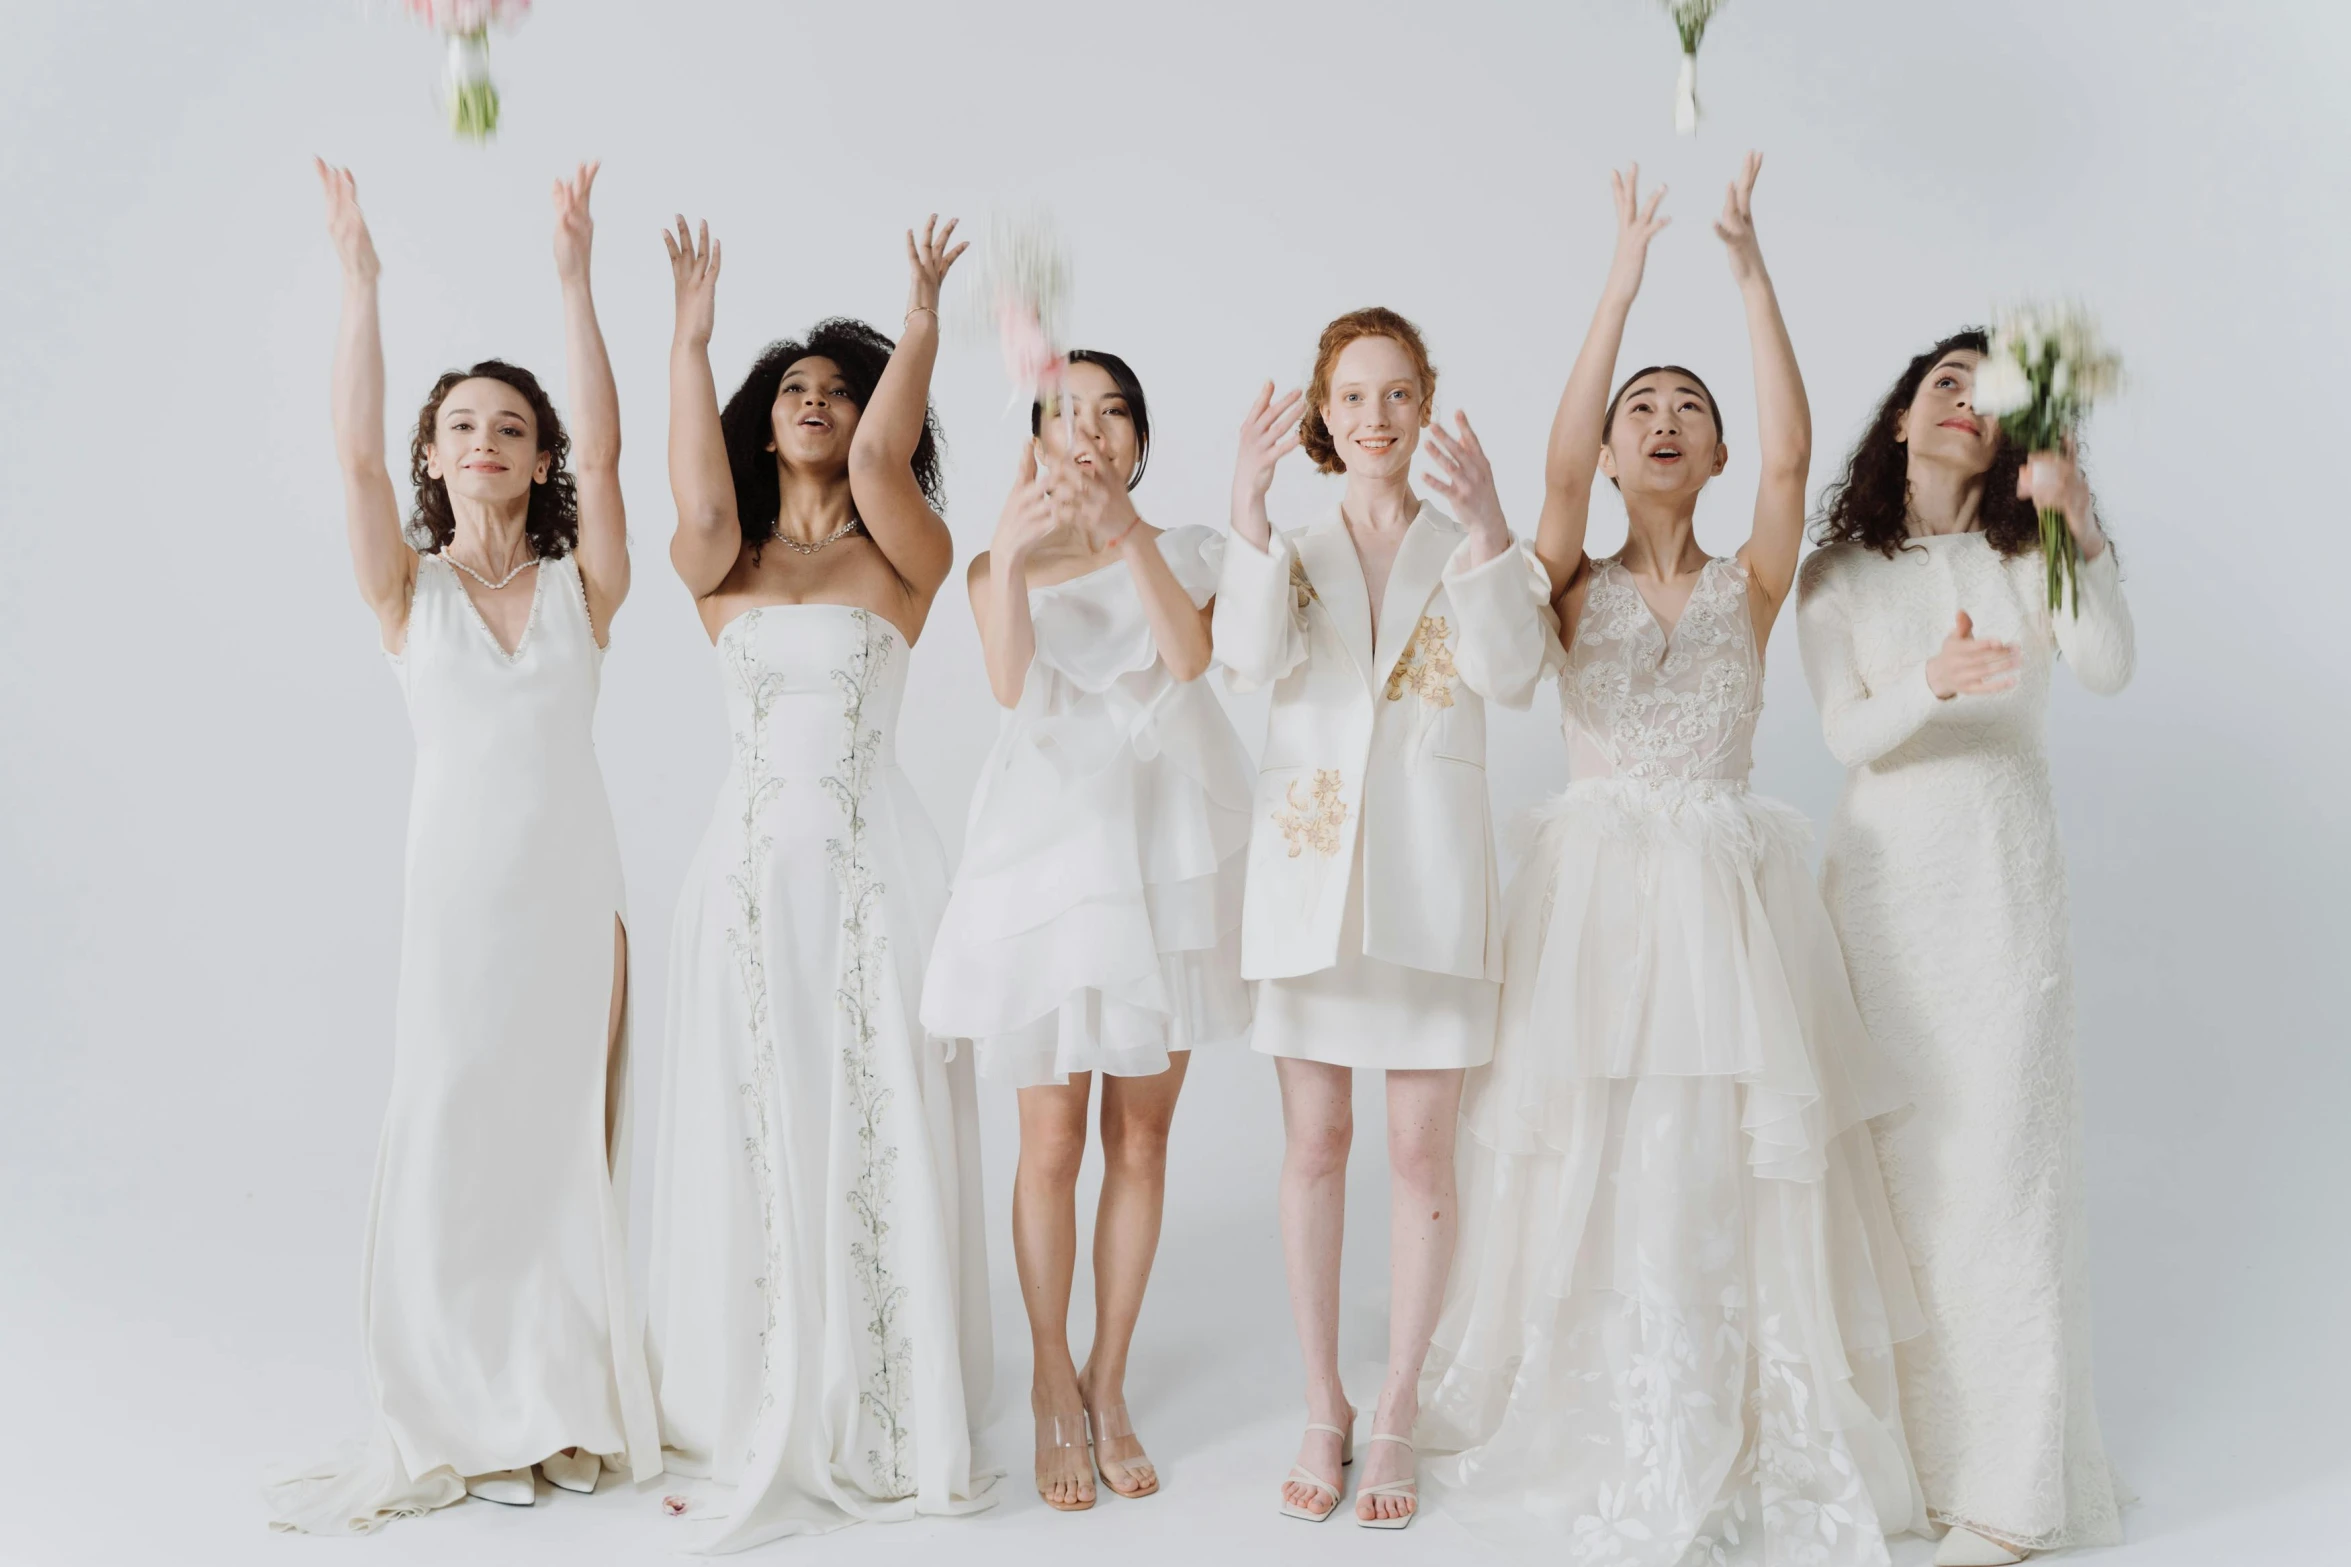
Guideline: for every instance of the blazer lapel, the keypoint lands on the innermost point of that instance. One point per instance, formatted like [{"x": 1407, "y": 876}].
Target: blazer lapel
[
  {"x": 1412, "y": 581},
  {"x": 1337, "y": 577}
]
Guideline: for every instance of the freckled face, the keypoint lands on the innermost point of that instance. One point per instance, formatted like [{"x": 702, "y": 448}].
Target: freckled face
[
  {"x": 1665, "y": 442},
  {"x": 814, "y": 415},
  {"x": 1377, "y": 407},
  {"x": 486, "y": 443},
  {"x": 1941, "y": 424}
]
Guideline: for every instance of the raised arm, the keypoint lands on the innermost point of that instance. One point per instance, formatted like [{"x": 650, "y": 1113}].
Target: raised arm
[
  {"x": 1500, "y": 595},
  {"x": 999, "y": 584},
  {"x": 595, "y": 410},
  {"x": 2093, "y": 630},
  {"x": 1106, "y": 513},
  {"x": 709, "y": 535},
  {"x": 1268, "y": 434},
  {"x": 891, "y": 504},
  {"x": 380, "y": 556},
  {"x": 1783, "y": 419},
  {"x": 1572, "y": 461}
]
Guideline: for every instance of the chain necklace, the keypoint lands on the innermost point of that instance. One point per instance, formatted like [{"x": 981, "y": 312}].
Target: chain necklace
[
  {"x": 526, "y": 561},
  {"x": 838, "y": 534}
]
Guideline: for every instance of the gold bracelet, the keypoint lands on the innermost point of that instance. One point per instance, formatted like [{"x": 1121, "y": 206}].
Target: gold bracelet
[{"x": 917, "y": 310}]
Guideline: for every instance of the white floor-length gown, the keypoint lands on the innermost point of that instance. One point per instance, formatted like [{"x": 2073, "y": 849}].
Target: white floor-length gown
[
  {"x": 1944, "y": 874},
  {"x": 818, "y": 1314},
  {"x": 1096, "y": 918},
  {"x": 495, "y": 1310},
  {"x": 1669, "y": 1335}
]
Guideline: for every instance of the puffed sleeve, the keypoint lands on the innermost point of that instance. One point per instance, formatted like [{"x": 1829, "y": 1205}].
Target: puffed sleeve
[
  {"x": 1509, "y": 637},
  {"x": 1259, "y": 625},
  {"x": 2096, "y": 637},
  {"x": 1195, "y": 558},
  {"x": 1860, "y": 724}
]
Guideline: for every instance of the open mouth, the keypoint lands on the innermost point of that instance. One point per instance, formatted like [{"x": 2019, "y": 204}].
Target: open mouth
[
  {"x": 813, "y": 422},
  {"x": 1376, "y": 444},
  {"x": 1666, "y": 454}
]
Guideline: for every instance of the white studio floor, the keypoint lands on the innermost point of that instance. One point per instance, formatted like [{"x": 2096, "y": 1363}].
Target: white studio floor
[{"x": 166, "y": 1339}]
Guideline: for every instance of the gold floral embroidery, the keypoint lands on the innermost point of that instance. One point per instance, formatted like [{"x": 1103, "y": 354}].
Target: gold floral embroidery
[
  {"x": 1426, "y": 665},
  {"x": 1301, "y": 590},
  {"x": 1314, "y": 824}
]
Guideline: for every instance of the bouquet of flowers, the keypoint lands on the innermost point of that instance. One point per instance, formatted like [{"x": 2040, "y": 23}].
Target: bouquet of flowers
[
  {"x": 1689, "y": 19},
  {"x": 1024, "y": 279},
  {"x": 2046, "y": 369},
  {"x": 473, "y": 97}
]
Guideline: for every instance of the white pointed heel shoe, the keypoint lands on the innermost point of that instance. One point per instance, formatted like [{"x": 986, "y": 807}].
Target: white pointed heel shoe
[
  {"x": 578, "y": 1471},
  {"x": 508, "y": 1488},
  {"x": 1963, "y": 1547},
  {"x": 1408, "y": 1488},
  {"x": 1301, "y": 1475}
]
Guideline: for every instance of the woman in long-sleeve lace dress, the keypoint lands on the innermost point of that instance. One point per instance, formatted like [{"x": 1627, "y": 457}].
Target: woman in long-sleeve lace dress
[{"x": 1928, "y": 639}]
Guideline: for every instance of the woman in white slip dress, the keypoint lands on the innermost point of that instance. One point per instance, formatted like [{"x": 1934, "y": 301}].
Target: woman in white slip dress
[
  {"x": 1095, "y": 927},
  {"x": 1669, "y": 1337},
  {"x": 1371, "y": 916},
  {"x": 818, "y": 1313},
  {"x": 1929, "y": 642},
  {"x": 494, "y": 1312}
]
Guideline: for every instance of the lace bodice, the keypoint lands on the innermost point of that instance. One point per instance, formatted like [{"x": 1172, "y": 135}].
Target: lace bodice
[{"x": 1637, "y": 703}]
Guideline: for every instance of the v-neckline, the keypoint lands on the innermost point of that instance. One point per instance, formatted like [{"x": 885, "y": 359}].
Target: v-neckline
[
  {"x": 530, "y": 621},
  {"x": 1666, "y": 633}
]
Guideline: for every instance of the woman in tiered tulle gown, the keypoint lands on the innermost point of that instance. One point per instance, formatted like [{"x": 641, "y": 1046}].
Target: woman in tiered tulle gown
[
  {"x": 819, "y": 1321},
  {"x": 1669, "y": 1335},
  {"x": 494, "y": 1316},
  {"x": 1094, "y": 929},
  {"x": 1929, "y": 642}
]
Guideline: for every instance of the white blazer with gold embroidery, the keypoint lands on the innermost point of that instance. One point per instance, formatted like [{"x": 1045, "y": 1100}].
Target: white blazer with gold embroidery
[{"x": 1386, "y": 741}]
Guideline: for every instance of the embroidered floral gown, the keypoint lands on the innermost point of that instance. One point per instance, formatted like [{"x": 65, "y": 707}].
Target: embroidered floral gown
[
  {"x": 1670, "y": 1332},
  {"x": 818, "y": 1321}
]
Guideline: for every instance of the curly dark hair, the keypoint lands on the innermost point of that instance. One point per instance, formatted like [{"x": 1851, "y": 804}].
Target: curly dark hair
[
  {"x": 1314, "y": 436},
  {"x": 747, "y": 421},
  {"x": 1870, "y": 504},
  {"x": 553, "y": 523},
  {"x": 1129, "y": 387}
]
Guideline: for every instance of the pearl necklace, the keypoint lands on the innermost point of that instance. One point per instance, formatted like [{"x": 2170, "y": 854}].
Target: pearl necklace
[
  {"x": 520, "y": 566},
  {"x": 839, "y": 533}
]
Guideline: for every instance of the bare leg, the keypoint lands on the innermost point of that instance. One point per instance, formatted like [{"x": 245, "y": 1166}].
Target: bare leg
[
  {"x": 616, "y": 1088},
  {"x": 1136, "y": 1113},
  {"x": 1318, "y": 1125},
  {"x": 1045, "y": 1248},
  {"x": 1424, "y": 1109}
]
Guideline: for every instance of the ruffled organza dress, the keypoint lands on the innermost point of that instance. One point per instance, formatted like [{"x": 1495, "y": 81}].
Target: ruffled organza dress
[
  {"x": 1095, "y": 924},
  {"x": 1669, "y": 1336}
]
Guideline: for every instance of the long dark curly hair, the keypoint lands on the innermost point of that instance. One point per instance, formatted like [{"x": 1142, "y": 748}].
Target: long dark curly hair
[
  {"x": 553, "y": 522},
  {"x": 748, "y": 423},
  {"x": 1869, "y": 504}
]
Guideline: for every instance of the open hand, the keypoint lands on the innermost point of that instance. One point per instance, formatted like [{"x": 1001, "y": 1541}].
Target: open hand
[
  {"x": 693, "y": 268},
  {"x": 346, "y": 224},
  {"x": 1028, "y": 518},
  {"x": 1970, "y": 665},
  {"x": 1085, "y": 496},
  {"x": 1736, "y": 227},
  {"x": 1268, "y": 434},
  {"x": 1463, "y": 476},
  {"x": 575, "y": 231},
  {"x": 1636, "y": 226},
  {"x": 928, "y": 259}
]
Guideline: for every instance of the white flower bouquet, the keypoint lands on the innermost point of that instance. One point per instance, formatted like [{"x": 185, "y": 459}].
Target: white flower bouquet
[
  {"x": 1689, "y": 19},
  {"x": 1024, "y": 284},
  {"x": 2047, "y": 368},
  {"x": 473, "y": 97}
]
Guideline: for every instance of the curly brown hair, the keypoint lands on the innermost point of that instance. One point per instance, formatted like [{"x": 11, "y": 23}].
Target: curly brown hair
[
  {"x": 1869, "y": 504},
  {"x": 553, "y": 523},
  {"x": 1314, "y": 436}
]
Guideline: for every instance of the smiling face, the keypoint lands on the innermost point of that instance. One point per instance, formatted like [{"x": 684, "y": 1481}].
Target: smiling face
[
  {"x": 1664, "y": 441},
  {"x": 1104, "y": 421},
  {"x": 486, "y": 444},
  {"x": 1941, "y": 424},
  {"x": 814, "y": 415},
  {"x": 1376, "y": 408}
]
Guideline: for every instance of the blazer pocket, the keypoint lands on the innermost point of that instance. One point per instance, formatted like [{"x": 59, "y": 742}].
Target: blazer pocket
[{"x": 1459, "y": 734}]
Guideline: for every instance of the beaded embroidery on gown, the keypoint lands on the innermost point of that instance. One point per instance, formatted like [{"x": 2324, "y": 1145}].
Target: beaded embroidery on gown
[
  {"x": 1669, "y": 1334},
  {"x": 495, "y": 1312},
  {"x": 819, "y": 1313},
  {"x": 1096, "y": 918}
]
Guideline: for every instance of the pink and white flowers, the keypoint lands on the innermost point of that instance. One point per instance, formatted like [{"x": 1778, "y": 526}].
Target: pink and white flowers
[{"x": 473, "y": 97}]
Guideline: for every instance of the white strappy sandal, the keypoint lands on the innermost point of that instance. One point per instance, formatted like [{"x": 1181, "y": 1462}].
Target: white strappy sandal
[
  {"x": 1301, "y": 1475},
  {"x": 1408, "y": 1487}
]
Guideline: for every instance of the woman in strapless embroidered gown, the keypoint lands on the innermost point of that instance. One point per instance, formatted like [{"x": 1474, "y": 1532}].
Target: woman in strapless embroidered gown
[
  {"x": 818, "y": 1317},
  {"x": 495, "y": 1316},
  {"x": 1669, "y": 1336}
]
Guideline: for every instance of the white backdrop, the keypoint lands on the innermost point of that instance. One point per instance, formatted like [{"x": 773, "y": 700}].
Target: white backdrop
[{"x": 204, "y": 764}]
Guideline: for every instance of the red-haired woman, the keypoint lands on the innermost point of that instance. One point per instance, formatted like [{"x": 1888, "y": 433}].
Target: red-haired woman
[{"x": 1371, "y": 916}]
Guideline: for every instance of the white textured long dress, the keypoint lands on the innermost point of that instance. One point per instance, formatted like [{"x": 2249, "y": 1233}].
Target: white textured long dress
[
  {"x": 495, "y": 1312},
  {"x": 1669, "y": 1334},
  {"x": 1095, "y": 924},
  {"x": 1945, "y": 877},
  {"x": 819, "y": 1312}
]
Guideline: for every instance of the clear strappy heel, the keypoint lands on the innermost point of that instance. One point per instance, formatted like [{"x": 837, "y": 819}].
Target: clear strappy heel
[
  {"x": 1136, "y": 1469},
  {"x": 1408, "y": 1488},
  {"x": 1062, "y": 1456},
  {"x": 1301, "y": 1475}
]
